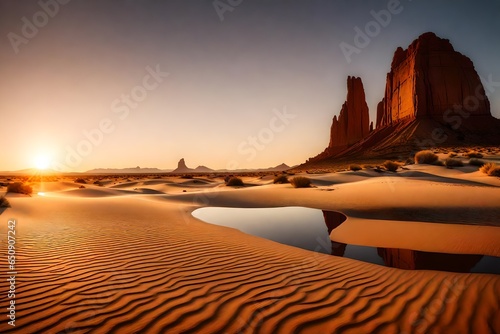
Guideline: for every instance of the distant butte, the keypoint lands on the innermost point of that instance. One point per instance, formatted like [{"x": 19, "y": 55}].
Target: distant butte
[{"x": 433, "y": 97}]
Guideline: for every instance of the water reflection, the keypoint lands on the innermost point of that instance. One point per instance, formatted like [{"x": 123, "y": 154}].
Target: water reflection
[
  {"x": 310, "y": 229},
  {"x": 412, "y": 259}
]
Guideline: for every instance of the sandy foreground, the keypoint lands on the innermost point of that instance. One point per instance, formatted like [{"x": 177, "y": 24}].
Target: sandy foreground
[{"x": 129, "y": 257}]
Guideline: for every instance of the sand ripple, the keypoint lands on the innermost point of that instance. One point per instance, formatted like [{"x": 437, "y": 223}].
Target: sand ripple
[{"x": 117, "y": 269}]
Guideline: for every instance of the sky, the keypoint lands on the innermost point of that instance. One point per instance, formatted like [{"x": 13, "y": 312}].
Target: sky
[{"x": 224, "y": 83}]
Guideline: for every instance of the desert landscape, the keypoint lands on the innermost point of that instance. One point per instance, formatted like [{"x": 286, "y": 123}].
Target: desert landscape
[{"x": 394, "y": 227}]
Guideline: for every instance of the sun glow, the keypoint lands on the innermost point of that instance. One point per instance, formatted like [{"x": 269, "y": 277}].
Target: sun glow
[{"x": 42, "y": 161}]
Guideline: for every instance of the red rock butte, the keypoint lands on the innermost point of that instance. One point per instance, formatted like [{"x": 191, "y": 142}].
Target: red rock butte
[
  {"x": 428, "y": 79},
  {"x": 433, "y": 98}
]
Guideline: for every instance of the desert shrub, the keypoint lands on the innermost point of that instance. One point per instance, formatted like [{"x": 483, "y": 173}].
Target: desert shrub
[
  {"x": 20, "y": 188},
  {"x": 235, "y": 182},
  {"x": 300, "y": 182},
  {"x": 80, "y": 180},
  {"x": 452, "y": 154},
  {"x": 450, "y": 163},
  {"x": 186, "y": 176},
  {"x": 81, "y": 187},
  {"x": 426, "y": 157},
  {"x": 4, "y": 203},
  {"x": 391, "y": 166},
  {"x": 281, "y": 179},
  {"x": 474, "y": 154},
  {"x": 490, "y": 169},
  {"x": 355, "y": 167},
  {"x": 486, "y": 167},
  {"x": 476, "y": 162}
]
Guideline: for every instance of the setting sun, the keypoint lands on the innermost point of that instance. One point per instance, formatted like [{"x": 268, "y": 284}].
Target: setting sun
[{"x": 42, "y": 161}]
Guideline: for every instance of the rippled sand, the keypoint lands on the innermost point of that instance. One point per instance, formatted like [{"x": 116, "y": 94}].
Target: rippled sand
[{"x": 131, "y": 259}]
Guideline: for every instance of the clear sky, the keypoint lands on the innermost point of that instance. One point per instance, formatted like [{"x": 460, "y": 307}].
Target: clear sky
[{"x": 249, "y": 84}]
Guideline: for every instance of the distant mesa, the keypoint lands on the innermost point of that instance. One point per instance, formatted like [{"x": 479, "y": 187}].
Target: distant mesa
[
  {"x": 182, "y": 168},
  {"x": 279, "y": 168},
  {"x": 433, "y": 97},
  {"x": 203, "y": 169},
  {"x": 130, "y": 170}
]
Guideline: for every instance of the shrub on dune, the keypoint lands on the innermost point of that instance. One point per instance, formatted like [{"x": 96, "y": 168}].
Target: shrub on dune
[
  {"x": 476, "y": 162},
  {"x": 426, "y": 157},
  {"x": 391, "y": 166},
  {"x": 300, "y": 182},
  {"x": 20, "y": 188},
  {"x": 235, "y": 182},
  {"x": 355, "y": 167},
  {"x": 80, "y": 180},
  {"x": 452, "y": 154},
  {"x": 474, "y": 154},
  {"x": 450, "y": 163},
  {"x": 490, "y": 169},
  {"x": 4, "y": 203},
  {"x": 281, "y": 179}
]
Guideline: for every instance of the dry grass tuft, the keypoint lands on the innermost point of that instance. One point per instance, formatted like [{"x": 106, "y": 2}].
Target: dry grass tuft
[
  {"x": 491, "y": 169},
  {"x": 300, "y": 182},
  {"x": 235, "y": 182},
  {"x": 476, "y": 162},
  {"x": 4, "y": 203},
  {"x": 451, "y": 162},
  {"x": 281, "y": 179},
  {"x": 355, "y": 167},
  {"x": 20, "y": 188},
  {"x": 391, "y": 166},
  {"x": 426, "y": 157}
]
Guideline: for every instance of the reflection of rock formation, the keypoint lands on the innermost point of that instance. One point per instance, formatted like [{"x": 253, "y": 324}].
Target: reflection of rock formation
[
  {"x": 406, "y": 258},
  {"x": 410, "y": 259},
  {"x": 332, "y": 220},
  {"x": 338, "y": 249}
]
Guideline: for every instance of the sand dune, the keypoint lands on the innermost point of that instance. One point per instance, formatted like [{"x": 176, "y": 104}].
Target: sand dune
[{"x": 108, "y": 260}]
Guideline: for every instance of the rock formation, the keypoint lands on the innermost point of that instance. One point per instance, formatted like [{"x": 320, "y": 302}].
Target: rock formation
[
  {"x": 428, "y": 79},
  {"x": 433, "y": 97},
  {"x": 352, "y": 124},
  {"x": 182, "y": 167}
]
